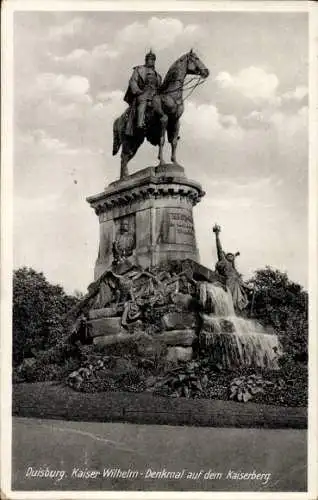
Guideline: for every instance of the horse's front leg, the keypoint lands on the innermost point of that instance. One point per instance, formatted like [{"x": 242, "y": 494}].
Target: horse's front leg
[
  {"x": 163, "y": 123},
  {"x": 174, "y": 141}
]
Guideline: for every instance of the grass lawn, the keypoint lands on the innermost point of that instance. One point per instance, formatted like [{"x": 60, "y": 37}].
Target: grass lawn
[{"x": 52, "y": 400}]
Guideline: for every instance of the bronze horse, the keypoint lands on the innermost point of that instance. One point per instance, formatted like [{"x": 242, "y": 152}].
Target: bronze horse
[{"x": 162, "y": 116}]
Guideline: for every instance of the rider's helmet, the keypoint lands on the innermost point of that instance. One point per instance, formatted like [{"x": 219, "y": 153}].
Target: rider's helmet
[{"x": 150, "y": 55}]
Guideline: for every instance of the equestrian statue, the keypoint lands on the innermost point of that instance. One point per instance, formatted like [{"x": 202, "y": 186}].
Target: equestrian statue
[{"x": 155, "y": 107}]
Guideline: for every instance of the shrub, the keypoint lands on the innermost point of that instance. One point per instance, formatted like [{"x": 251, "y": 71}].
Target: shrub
[
  {"x": 281, "y": 304},
  {"x": 39, "y": 313},
  {"x": 185, "y": 380},
  {"x": 244, "y": 388},
  {"x": 102, "y": 372},
  {"x": 32, "y": 370}
]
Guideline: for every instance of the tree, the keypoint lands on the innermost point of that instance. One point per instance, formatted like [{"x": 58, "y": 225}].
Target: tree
[
  {"x": 39, "y": 310},
  {"x": 283, "y": 305}
]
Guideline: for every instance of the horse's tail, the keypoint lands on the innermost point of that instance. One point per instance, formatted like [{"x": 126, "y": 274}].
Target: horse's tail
[{"x": 116, "y": 137}]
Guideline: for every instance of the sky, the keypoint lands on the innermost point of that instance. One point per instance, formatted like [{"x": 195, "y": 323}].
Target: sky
[{"x": 244, "y": 132}]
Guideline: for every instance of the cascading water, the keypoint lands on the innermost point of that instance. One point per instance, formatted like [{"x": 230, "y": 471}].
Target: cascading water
[
  {"x": 233, "y": 340},
  {"x": 215, "y": 299}
]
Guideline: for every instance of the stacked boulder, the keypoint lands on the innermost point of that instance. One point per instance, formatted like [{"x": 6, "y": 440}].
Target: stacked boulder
[{"x": 160, "y": 304}]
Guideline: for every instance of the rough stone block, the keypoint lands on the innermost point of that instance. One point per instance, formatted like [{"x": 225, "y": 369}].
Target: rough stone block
[
  {"x": 119, "y": 338},
  {"x": 176, "y": 354},
  {"x": 183, "y": 337},
  {"x": 104, "y": 326},
  {"x": 151, "y": 348},
  {"x": 182, "y": 299},
  {"x": 178, "y": 320},
  {"x": 105, "y": 312},
  {"x": 202, "y": 273},
  {"x": 122, "y": 366},
  {"x": 105, "y": 256}
]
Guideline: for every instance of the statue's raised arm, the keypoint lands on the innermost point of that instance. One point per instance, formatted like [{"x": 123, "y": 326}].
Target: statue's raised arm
[{"x": 220, "y": 252}]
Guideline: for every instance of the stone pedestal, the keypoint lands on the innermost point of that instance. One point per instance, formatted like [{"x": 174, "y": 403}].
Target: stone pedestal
[{"x": 150, "y": 214}]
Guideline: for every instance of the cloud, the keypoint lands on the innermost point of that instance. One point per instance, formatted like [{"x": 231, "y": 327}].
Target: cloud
[
  {"x": 295, "y": 99},
  {"x": 298, "y": 94},
  {"x": 242, "y": 208},
  {"x": 285, "y": 124},
  {"x": 69, "y": 29},
  {"x": 253, "y": 94},
  {"x": 72, "y": 88},
  {"x": 205, "y": 122},
  {"x": 160, "y": 33},
  {"x": 228, "y": 121},
  {"x": 40, "y": 144},
  {"x": 257, "y": 192},
  {"x": 86, "y": 60},
  {"x": 289, "y": 126},
  {"x": 51, "y": 144},
  {"x": 256, "y": 120},
  {"x": 57, "y": 103},
  {"x": 59, "y": 127},
  {"x": 114, "y": 96},
  {"x": 252, "y": 82}
]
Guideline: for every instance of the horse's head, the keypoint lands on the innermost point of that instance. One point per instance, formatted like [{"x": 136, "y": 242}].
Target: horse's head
[{"x": 195, "y": 66}]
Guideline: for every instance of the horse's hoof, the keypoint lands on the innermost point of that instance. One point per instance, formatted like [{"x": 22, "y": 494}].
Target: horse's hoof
[{"x": 124, "y": 174}]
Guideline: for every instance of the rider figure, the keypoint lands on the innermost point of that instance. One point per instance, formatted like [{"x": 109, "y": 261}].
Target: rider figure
[{"x": 143, "y": 86}]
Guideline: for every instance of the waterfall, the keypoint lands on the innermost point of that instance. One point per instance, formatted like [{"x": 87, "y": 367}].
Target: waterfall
[
  {"x": 216, "y": 300},
  {"x": 232, "y": 340}
]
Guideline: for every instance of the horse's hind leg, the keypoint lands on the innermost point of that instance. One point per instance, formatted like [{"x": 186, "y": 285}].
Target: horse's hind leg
[
  {"x": 163, "y": 123},
  {"x": 123, "y": 165},
  {"x": 126, "y": 155},
  {"x": 128, "y": 151},
  {"x": 173, "y": 139}
]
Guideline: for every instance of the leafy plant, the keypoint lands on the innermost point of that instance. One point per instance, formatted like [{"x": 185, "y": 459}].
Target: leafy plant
[
  {"x": 32, "y": 370},
  {"x": 244, "y": 388},
  {"x": 184, "y": 381},
  {"x": 101, "y": 373}
]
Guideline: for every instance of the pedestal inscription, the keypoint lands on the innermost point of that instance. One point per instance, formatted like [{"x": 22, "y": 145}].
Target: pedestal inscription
[{"x": 177, "y": 225}]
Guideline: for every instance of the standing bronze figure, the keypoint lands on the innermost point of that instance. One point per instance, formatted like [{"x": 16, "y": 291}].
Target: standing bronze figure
[
  {"x": 225, "y": 266},
  {"x": 155, "y": 108}
]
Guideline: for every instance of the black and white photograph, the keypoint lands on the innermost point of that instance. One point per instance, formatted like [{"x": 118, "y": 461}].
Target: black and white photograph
[{"x": 159, "y": 253}]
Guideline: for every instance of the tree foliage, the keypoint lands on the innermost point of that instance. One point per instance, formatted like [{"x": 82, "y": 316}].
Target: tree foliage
[
  {"x": 39, "y": 310},
  {"x": 283, "y": 305}
]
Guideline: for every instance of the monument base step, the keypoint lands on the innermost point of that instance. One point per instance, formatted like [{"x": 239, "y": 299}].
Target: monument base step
[
  {"x": 183, "y": 337},
  {"x": 105, "y": 312},
  {"x": 177, "y": 320},
  {"x": 104, "y": 326},
  {"x": 178, "y": 353},
  {"x": 119, "y": 338}
]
